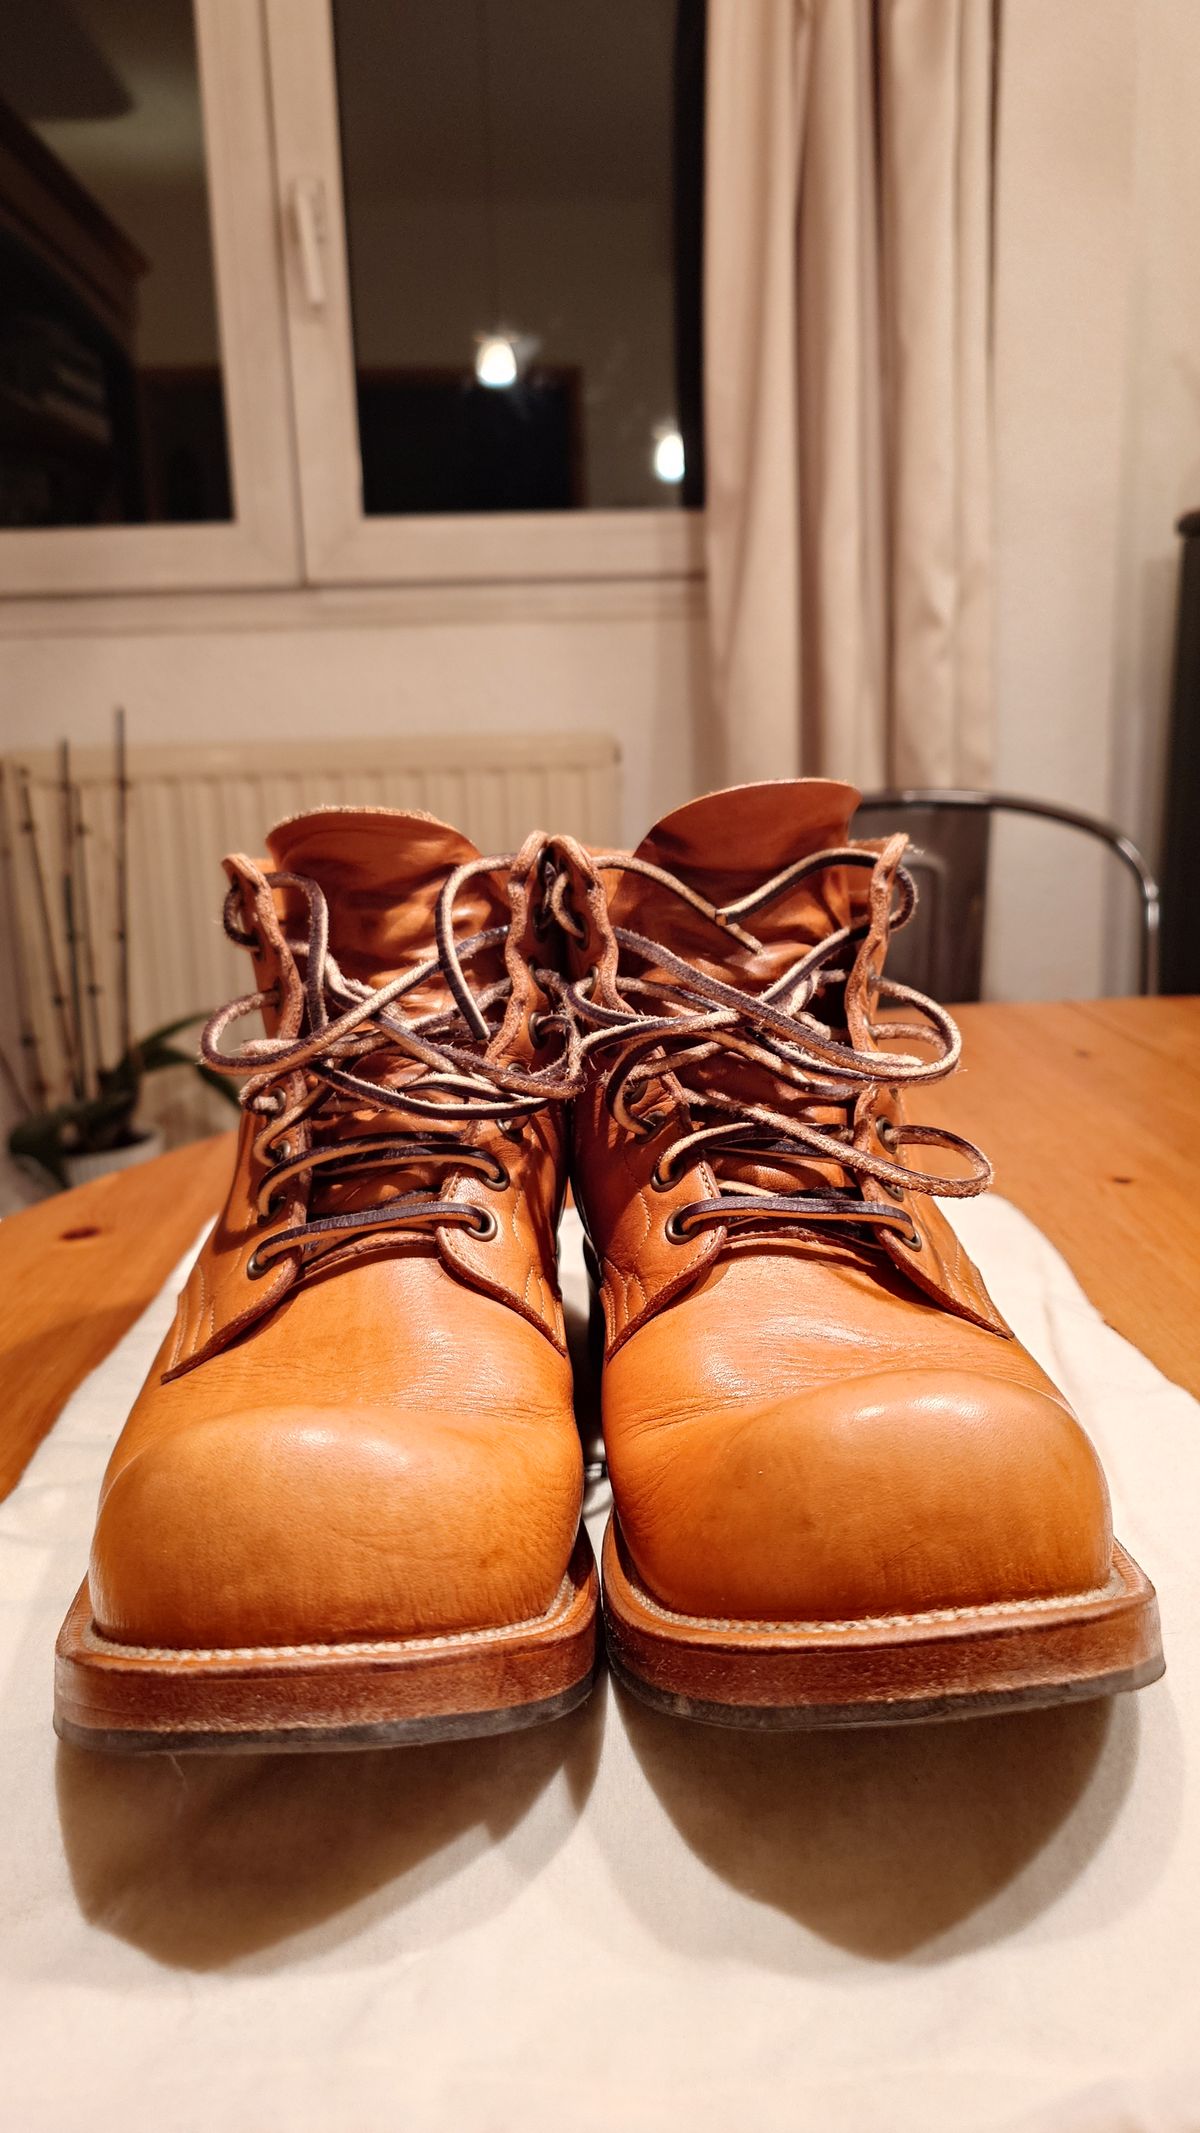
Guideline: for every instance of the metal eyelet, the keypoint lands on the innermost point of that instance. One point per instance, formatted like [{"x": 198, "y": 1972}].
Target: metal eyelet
[
  {"x": 256, "y": 1267},
  {"x": 657, "y": 1181},
  {"x": 484, "y": 1224},
  {"x": 673, "y": 1229},
  {"x": 536, "y": 1026},
  {"x": 915, "y": 1243},
  {"x": 497, "y": 1180},
  {"x": 650, "y": 1123},
  {"x": 886, "y": 1135},
  {"x": 280, "y": 1152}
]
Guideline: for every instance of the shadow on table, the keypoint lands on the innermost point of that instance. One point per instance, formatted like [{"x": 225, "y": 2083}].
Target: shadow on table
[
  {"x": 202, "y": 1860},
  {"x": 887, "y": 1840}
]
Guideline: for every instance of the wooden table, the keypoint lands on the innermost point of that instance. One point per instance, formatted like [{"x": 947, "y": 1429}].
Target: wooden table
[{"x": 1090, "y": 1112}]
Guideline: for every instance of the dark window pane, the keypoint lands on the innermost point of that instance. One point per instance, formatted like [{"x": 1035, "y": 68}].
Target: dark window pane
[
  {"x": 523, "y": 182},
  {"x": 111, "y": 404}
]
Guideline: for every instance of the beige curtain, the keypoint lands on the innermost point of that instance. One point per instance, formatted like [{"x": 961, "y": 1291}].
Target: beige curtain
[{"x": 847, "y": 386}]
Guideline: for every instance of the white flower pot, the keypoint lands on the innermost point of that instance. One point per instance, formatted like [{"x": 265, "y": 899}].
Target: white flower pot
[{"x": 81, "y": 1169}]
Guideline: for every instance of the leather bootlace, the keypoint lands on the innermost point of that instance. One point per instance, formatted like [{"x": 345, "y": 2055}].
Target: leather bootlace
[
  {"x": 666, "y": 1018},
  {"x": 361, "y": 1087}
]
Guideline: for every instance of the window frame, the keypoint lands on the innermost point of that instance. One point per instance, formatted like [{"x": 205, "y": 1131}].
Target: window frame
[
  {"x": 260, "y": 544},
  {"x": 342, "y": 545}
]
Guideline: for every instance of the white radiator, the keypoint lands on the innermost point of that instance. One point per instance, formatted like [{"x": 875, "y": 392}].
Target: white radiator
[{"x": 189, "y": 806}]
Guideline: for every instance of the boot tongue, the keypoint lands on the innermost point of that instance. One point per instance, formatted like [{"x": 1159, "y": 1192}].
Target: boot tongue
[
  {"x": 382, "y": 871},
  {"x": 724, "y": 846},
  {"x": 729, "y": 843}
]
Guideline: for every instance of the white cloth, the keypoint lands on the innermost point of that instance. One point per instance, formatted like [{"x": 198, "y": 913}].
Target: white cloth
[{"x": 620, "y": 1922}]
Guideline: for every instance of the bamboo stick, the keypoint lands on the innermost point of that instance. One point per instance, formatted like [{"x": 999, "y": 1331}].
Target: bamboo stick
[
  {"x": 8, "y": 1073},
  {"x": 27, "y": 828},
  {"x": 70, "y": 927},
  {"x": 124, "y": 1013},
  {"x": 35, "y": 1089},
  {"x": 87, "y": 938}
]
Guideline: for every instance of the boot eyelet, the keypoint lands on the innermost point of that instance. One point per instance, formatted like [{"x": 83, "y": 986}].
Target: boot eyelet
[
  {"x": 658, "y": 1182},
  {"x": 281, "y": 1152},
  {"x": 256, "y": 1267},
  {"x": 673, "y": 1229},
  {"x": 650, "y": 1123},
  {"x": 536, "y": 1026},
  {"x": 484, "y": 1224},
  {"x": 497, "y": 1180},
  {"x": 885, "y": 1133},
  {"x": 894, "y": 1192},
  {"x": 915, "y": 1243}
]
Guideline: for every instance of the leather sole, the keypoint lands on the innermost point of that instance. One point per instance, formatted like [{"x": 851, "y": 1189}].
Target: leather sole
[
  {"x": 893, "y": 1670},
  {"x": 127, "y": 1699}
]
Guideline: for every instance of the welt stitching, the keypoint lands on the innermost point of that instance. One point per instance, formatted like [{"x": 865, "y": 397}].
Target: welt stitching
[
  {"x": 986, "y": 1610},
  {"x": 360, "y": 1649}
]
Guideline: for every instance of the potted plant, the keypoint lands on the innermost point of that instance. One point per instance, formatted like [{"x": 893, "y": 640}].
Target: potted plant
[
  {"x": 83, "y": 1137},
  {"x": 78, "y": 1104}
]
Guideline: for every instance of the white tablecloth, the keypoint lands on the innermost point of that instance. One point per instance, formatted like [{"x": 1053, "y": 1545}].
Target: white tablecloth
[{"x": 621, "y": 1921}]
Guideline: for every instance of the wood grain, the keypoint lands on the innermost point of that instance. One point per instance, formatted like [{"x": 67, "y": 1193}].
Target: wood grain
[
  {"x": 1090, "y": 1112},
  {"x": 75, "y": 1272}
]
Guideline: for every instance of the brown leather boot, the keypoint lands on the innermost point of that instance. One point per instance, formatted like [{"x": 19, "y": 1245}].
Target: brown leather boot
[
  {"x": 844, "y": 1493},
  {"x": 345, "y": 1508}
]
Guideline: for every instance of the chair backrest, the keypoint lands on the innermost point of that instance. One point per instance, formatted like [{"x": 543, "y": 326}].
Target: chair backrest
[{"x": 942, "y": 950}]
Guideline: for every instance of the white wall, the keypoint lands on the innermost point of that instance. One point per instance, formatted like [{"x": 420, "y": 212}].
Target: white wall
[
  {"x": 625, "y": 660},
  {"x": 1097, "y": 453}
]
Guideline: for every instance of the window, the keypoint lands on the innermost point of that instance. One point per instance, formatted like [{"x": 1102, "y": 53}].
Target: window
[
  {"x": 349, "y": 291},
  {"x": 514, "y": 216}
]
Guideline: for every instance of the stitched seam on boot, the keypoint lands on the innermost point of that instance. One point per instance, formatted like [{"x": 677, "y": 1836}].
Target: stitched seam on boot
[
  {"x": 348, "y": 1650},
  {"x": 987, "y": 1609}
]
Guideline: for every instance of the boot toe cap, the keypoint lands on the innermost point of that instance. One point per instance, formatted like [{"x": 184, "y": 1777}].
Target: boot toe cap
[
  {"x": 882, "y": 1495},
  {"x": 310, "y": 1525}
]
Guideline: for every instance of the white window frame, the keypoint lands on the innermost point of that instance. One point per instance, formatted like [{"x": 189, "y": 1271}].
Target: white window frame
[
  {"x": 260, "y": 545},
  {"x": 342, "y": 545}
]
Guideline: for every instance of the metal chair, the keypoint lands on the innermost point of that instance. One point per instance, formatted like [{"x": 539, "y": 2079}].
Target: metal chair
[{"x": 942, "y": 950}]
